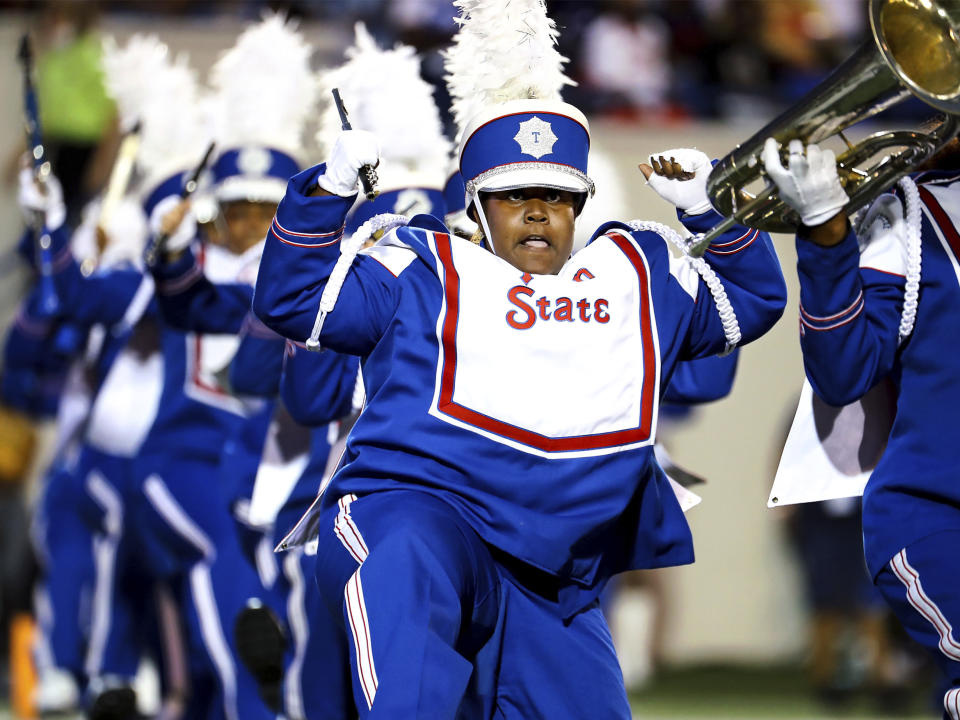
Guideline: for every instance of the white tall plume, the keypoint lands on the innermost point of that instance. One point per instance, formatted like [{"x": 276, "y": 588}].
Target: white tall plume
[
  {"x": 504, "y": 50},
  {"x": 160, "y": 91},
  {"x": 264, "y": 88},
  {"x": 385, "y": 94}
]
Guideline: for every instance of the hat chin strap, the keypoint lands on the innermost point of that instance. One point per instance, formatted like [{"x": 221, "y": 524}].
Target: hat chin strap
[{"x": 483, "y": 222}]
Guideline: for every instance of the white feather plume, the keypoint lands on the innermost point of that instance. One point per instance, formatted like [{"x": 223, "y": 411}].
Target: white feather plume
[
  {"x": 160, "y": 91},
  {"x": 264, "y": 89},
  {"x": 385, "y": 94},
  {"x": 503, "y": 50}
]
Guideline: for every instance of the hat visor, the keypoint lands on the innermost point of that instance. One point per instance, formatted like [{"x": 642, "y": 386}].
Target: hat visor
[
  {"x": 259, "y": 189},
  {"x": 533, "y": 175}
]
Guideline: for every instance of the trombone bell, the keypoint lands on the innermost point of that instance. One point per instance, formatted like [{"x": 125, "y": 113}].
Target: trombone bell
[{"x": 914, "y": 50}]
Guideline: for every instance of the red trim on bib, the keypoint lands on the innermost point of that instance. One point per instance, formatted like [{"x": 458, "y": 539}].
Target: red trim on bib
[
  {"x": 943, "y": 220},
  {"x": 448, "y": 338}
]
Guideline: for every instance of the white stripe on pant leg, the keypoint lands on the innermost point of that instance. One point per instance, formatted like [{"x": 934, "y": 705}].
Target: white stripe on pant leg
[
  {"x": 910, "y": 577},
  {"x": 109, "y": 499},
  {"x": 266, "y": 562},
  {"x": 175, "y": 516},
  {"x": 350, "y": 537},
  {"x": 215, "y": 641},
  {"x": 105, "y": 567},
  {"x": 201, "y": 588},
  {"x": 348, "y": 532},
  {"x": 42, "y": 651},
  {"x": 105, "y": 563},
  {"x": 924, "y": 605},
  {"x": 300, "y": 629},
  {"x": 951, "y": 703},
  {"x": 360, "y": 626}
]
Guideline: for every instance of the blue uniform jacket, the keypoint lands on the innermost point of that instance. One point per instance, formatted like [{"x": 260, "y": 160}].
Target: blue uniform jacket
[
  {"x": 849, "y": 327},
  {"x": 195, "y": 411},
  {"x": 527, "y": 403}
]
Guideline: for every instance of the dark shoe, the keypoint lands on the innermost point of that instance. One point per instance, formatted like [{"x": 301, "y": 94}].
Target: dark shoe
[
  {"x": 261, "y": 642},
  {"x": 117, "y": 703}
]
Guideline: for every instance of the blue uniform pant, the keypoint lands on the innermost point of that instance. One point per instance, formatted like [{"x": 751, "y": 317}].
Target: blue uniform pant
[
  {"x": 65, "y": 548},
  {"x": 121, "y": 605},
  {"x": 920, "y": 584},
  {"x": 187, "y": 536},
  {"x": 312, "y": 643},
  {"x": 439, "y": 625}
]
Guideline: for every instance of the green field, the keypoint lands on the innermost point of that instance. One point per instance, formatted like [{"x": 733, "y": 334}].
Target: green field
[
  {"x": 756, "y": 693},
  {"x": 772, "y": 692}
]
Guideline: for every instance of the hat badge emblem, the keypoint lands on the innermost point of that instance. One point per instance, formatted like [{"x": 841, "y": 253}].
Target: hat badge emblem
[
  {"x": 412, "y": 201},
  {"x": 254, "y": 161},
  {"x": 535, "y": 137}
]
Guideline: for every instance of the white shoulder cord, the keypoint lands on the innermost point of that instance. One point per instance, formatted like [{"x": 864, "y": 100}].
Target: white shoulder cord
[
  {"x": 912, "y": 290},
  {"x": 348, "y": 251},
  {"x": 731, "y": 328},
  {"x": 912, "y": 217}
]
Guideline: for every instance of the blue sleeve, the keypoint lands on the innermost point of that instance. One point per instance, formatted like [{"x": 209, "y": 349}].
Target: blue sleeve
[
  {"x": 317, "y": 388},
  {"x": 747, "y": 265},
  {"x": 102, "y": 297},
  {"x": 301, "y": 249},
  {"x": 27, "y": 338},
  {"x": 189, "y": 301},
  {"x": 702, "y": 380},
  {"x": 849, "y": 320},
  {"x": 35, "y": 362},
  {"x": 258, "y": 363}
]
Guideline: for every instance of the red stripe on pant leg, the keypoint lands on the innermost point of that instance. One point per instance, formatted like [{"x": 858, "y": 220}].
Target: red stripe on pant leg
[
  {"x": 356, "y": 644},
  {"x": 933, "y": 605},
  {"x": 357, "y": 535},
  {"x": 905, "y": 578},
  {"x": 366, "y": 629},
  {"x": 343, "y": 541},
  {"x": 925, "y": 606},
  {"x": 945, "y": 624}
]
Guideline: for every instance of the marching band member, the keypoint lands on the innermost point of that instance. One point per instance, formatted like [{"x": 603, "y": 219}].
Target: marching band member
[
  {"x": 173, "y": 512},
  {"x": 268, "y": 66},
  {"x": 502, "y": 469},
  {"x": 320, "y": 389},
  {"x": 45, "y": 372},
  {"x": 876, "y": 304}
]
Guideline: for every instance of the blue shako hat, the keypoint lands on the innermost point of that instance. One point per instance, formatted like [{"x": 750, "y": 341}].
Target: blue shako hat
[
  {"x": 408, "y": 201},
  {"x": 254, "y": 173},
  {"x": 526, "y": 143},
  {"x": 453, "y": 192}
]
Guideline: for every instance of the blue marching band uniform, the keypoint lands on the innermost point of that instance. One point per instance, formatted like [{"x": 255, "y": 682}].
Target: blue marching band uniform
[
  {"x": 853, "y": 337},
  {"x": 471, "y": 504},
  {"x": 453, "y": 450}
]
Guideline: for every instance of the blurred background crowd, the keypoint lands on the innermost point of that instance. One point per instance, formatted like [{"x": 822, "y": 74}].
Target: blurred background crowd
[{"x": 780, "y": 596}]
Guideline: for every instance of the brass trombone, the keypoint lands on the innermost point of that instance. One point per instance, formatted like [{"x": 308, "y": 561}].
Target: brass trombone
[{"x": 914, "y": 51}]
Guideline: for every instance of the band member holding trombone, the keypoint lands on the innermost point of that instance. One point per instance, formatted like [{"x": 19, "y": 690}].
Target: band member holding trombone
[{"x": 878, "y": 302}]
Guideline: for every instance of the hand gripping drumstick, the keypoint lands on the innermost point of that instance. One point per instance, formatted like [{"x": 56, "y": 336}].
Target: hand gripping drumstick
[{"x": 368, "y": 176}]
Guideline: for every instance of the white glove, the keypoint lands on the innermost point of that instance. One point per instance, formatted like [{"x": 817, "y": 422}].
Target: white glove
[
  {"x": 48, "y": 202},
  {"x": 185, "y": 232},
  {"x": 353, "y": 150},
  {"x": 688, "y": 195},
  {"x": 809, "y": 184}
]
